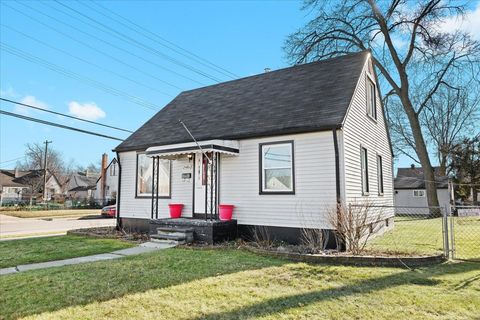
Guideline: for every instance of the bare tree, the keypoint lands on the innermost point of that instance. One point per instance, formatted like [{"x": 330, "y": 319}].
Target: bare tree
[
  {"x": 408, "y": 48},
  {"x": 34, "y": 157},
  {"x": 451, "y": 116}
]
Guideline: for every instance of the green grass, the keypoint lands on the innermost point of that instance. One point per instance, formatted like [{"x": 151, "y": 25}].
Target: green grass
[
  {"x": 231, "y": 284},
  {"x": 51, "y": 213},
  {"x": 425, "y": 237},
  {"x": 16, "y": 252}
]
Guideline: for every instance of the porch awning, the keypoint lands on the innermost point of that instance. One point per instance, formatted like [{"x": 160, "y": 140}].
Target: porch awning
[{"x": 230, "y": 147}]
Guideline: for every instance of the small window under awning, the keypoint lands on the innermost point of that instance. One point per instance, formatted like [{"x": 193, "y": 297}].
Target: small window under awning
[{"x": 172, "y": 151}]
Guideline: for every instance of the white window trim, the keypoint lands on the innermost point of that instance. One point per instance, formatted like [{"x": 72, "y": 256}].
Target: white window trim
[
  {"x": 149, "y": 195},
  {"x": 366, "y": 190},
  {"x": 263, "y": 189},
  {"x": 369, "y": 79}
]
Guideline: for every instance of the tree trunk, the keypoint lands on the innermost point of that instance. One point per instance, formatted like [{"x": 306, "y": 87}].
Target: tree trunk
[
  {"x": 442, "y": 170},
  {"x": 422, "y": 153}
]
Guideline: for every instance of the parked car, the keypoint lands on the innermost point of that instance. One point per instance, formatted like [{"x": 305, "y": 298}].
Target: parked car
[{"x": 109, "y": 211}]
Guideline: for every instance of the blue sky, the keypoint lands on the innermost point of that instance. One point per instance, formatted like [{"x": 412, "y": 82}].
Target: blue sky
[{"x": 243, "y": 37}]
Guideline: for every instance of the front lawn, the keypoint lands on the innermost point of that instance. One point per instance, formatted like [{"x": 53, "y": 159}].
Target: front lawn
[
  {"x": 50, "y": 213},
  {"x": 16, "y": 252},
  {"x": 186, "y": 283}
]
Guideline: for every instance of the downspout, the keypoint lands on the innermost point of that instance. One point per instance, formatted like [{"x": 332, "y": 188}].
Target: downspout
[
  {"x": 119, "y": 187},
  {"x": 337, "y": 166}
]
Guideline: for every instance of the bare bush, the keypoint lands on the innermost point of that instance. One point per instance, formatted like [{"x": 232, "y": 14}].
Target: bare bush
[
  {"x": 315, "y": 240},
  {"x": 354, "y": 225},
  {"x": 262, "y": 237}
]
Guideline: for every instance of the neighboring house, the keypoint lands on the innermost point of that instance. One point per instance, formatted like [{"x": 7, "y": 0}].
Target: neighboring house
[
  {"x": 16, "y": 185},
  {"x": 54, "y": 187},
  {"x": 410, "y": 190},
  {"x": 81, "y": 186},
  {"x": 283, "y": 146},
  {"x": 106, "y": 186}
]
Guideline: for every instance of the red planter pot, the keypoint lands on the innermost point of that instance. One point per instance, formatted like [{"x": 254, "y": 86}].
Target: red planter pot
[
  {"x": 175, "y": 210},
  {"x": 226, "y": 211}
]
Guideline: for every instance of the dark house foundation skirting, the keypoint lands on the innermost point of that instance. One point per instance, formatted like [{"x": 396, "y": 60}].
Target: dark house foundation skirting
[{"x": 286, "y": 234}]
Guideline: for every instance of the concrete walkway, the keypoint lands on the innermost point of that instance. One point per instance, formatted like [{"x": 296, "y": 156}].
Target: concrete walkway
[{"x": 143, "y": 248}]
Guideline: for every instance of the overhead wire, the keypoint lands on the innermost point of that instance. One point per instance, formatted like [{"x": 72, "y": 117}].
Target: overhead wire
[
  {"x": 124, "y": 37},
  {"x": 84, "y": 60},
  {"x": 11, "y": 114},
  {"x": 158, "y": 39},
  {"x": 64, "y": 115},
  {"x": 69, "y": 36},
  {"x": 93, "y": 83}
]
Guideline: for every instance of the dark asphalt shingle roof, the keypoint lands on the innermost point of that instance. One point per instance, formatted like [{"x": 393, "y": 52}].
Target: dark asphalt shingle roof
[
  {"x": 302, "y": 98},
  {"x": 414, "y": 178}
]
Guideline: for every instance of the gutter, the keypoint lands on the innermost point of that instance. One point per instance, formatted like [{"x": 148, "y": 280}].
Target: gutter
[{"x": 119, "y": 186}]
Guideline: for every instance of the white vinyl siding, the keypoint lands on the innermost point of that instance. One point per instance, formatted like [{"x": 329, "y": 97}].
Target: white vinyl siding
[
  {"x": 314, "y": 183},
  {"x": 359, "y": 129},
  {"x": 181, "y": 189}
]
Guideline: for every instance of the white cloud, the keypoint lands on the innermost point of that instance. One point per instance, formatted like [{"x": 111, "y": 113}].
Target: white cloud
[
  {"x": 30, "y": 100},
  {"x": 8, "y": 93},
  {"x": 469, "y": 23},
  {"x": 88, "y": 111}
]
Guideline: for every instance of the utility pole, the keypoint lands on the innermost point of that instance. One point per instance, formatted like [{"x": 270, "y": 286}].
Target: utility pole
[{"x": 45, "y": 170}]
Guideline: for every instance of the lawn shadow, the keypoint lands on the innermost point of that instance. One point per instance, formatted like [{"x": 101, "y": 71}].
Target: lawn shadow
[
  {"x": 47, "y": 290},
  {"x": 276, "y": 305}
]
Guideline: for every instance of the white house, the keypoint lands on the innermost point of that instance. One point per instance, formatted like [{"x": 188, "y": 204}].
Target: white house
[
  {"x": 410, "y": 193},
  {"x": 283, "y": 147},
  {"x": 106, "y": 186}
]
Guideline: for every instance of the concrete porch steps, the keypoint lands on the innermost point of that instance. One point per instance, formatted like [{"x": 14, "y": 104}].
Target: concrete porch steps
[{"x": 172, "y": 234}]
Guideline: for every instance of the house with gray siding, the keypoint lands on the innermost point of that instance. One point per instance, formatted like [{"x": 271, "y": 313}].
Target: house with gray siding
[
  {"x": 284, "y": 147},
  {"x": 410, "y": 192}
]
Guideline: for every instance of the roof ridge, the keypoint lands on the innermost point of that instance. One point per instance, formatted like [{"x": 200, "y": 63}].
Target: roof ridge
[{"x": 280, "y": 70}]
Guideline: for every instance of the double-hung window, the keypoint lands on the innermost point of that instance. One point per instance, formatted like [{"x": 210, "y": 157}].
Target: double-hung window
[
  {"x": 380, "y": 175},
  {"x": 418, "y": 193},
  {"x": 371, "y": 99},
  {"x": 145, "y": 177},
  {"x": 364, "y": 169},
  {"x": 277, "y": 168}
]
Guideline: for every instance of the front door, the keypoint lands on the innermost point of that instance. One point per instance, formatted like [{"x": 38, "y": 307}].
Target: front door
[{"x": 200, "y": 183}]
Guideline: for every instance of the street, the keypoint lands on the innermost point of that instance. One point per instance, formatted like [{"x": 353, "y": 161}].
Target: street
[{"x": 12, "y": 227}]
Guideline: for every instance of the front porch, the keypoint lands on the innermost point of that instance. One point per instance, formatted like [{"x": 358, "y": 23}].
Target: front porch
[{"x": 206, "y": 231}]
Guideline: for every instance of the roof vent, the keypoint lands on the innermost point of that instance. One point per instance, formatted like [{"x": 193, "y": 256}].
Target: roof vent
[
  {"x": 412, "y": 166},
  {"x": 266, "y": 70}
]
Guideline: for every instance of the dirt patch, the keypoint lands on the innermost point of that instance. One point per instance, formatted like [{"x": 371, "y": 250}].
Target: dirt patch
[{"x": 110, "y": 233}]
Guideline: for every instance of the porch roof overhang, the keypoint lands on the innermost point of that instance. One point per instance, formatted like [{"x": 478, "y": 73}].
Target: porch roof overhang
[{"x": 171, "y": 151}]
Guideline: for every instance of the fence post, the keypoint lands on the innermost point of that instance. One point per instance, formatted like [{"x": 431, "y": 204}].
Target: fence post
[
  {"x": 446, "y": 247},
  {"x": 452, "y": 235}
]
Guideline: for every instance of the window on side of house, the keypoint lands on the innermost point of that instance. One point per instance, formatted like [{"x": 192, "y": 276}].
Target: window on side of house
[
  {"x": 277, "y": 168},
  {"x": 380, "y": 175},
  {"x": 364, "y": 168},
  {"x": 145, "y": 177},
  {"x": 419, "y": 193},
  {"x": 113, "y": 170},
  {"x": 371, "y": 99}
]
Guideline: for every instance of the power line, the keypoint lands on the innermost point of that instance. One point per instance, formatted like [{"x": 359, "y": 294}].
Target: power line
[
  {"x": 76, "y": 76},
  {"x": 85, "y": 61},
  {"x": 11, "y": 114},
  {"x": 172, "y": 46},
  {"x": 69, "y": 36},
  {"x": 64, "y": 115},
  {"x": 141, "y": 45},
  {"x": 12, "y": 160}
]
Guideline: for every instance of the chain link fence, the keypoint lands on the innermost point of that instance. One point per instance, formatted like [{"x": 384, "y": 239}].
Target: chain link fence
[
  {"x": 410, "y": 231},
  {"x": 58, "y": 204},
  {"x": 464, "y": 228}
]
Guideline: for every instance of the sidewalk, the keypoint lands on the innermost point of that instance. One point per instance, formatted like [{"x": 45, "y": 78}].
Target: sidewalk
[{"x": 142, "y": 248}]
